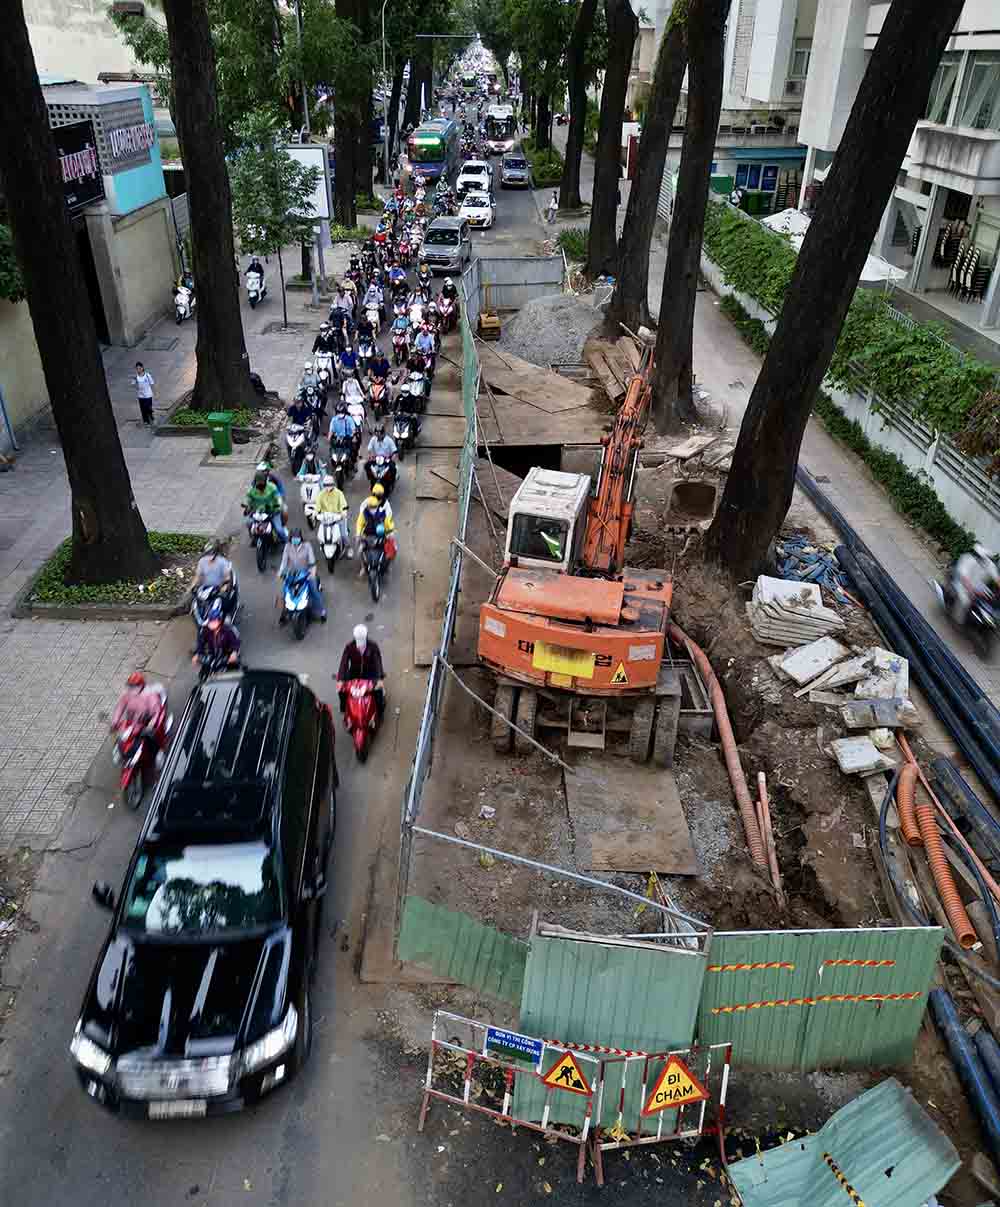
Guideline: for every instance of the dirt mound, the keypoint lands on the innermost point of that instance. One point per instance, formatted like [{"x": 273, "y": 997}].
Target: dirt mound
[{"x": 551, "y": 330}]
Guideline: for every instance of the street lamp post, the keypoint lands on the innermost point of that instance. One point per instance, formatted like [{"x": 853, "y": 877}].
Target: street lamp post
[{"x": 385, "y": 105}]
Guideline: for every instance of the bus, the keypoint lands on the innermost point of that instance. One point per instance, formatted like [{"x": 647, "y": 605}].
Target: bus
[
  {"x": 501, "y": 129},
  {"x": 432, "y": 150},
  {"x": 469, "y": 83}
]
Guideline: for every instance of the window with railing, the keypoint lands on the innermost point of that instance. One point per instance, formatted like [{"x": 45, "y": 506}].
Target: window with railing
[
  {"x": 801, "y": 52},
  {"x": 943, "y": 87},
  {"x": 979, "y": 106}
]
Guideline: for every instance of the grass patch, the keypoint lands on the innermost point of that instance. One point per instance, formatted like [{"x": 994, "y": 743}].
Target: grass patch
[
  {"x": 349, "y": 234},
  {"x": 573, "y": 241},
  {"x": 546, "y": 166},
  {"x": 178, "y": 553},
  {"x": 911, "y": 495},
  {"x": 186, "y": 417}
]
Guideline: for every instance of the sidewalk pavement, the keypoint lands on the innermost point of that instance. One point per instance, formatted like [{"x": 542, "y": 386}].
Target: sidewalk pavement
[{"x": 59, "y": 680}]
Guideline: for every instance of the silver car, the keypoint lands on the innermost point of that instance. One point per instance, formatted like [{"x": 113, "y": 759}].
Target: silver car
[{"x": 515, "y": 172}]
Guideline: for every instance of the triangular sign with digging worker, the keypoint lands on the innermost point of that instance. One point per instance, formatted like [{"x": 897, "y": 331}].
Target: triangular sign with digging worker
[
  {"x": 566, "y": 1074},
  {"x": 676, "y": 1086}
]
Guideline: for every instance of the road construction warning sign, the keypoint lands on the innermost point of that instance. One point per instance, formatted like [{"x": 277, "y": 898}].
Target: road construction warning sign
[
  {"x": 566, "y": 1074},
  {"x": 620, "y": 678},
  {"x": 676, "y": 1086}
]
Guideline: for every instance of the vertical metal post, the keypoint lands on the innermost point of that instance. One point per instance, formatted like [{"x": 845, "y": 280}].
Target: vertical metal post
[
  {"x": 385, "y": 105},
  {"x": 6, "y": 422}
]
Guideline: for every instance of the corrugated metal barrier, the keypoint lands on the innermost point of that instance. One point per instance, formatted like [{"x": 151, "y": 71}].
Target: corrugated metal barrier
[
  {"x": 831, "y": 999},
  {"x": 514, "y": 280},
  {"x": 462, "y": 949}
]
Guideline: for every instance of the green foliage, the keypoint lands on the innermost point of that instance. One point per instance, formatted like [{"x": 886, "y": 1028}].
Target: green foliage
[
  {"x": 179, "y": 549},
  {"x": 368, "y": 203},
  {"x": 573, "y": 241},
  {"x": 349, "y": 234},
  {"x": 591, "y": 124},
  {"x": 11, "y": 281},
  {"x": 981, "y": 435},
  {"x": 185, "y": 417},
  {"x": 540, "y": 31},
  {"x": 910, "y": 494},
  {"x": 546, "y": 166},
  {"x": 272, "y": 193},
  {"x": 902, "y": 365}
]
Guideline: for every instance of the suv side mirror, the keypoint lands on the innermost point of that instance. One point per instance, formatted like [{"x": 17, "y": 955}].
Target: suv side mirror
[{"x": 103, "y": 894}]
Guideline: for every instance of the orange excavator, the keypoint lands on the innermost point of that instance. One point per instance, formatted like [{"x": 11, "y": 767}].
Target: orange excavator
[{"x": 576, "y": 639}]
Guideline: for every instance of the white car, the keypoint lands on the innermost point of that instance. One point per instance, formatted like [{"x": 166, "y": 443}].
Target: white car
[
  {"x": 478, "y": 209},
  {"x": 476, "y": 176}
]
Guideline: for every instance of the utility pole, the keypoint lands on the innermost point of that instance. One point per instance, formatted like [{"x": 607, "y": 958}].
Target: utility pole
[
  {"x": 385, "y": 106},
  {"x": 306, "y": 136}
]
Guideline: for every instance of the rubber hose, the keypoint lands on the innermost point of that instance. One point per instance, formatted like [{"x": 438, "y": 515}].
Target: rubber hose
[
  {"x": 956, "y": 787},
  {"x": 905, "y": 790},
  {"x": 730, "y": 753},
  {"x": 965, "y": 932},
  {"x": 987, "y": 901},
  {"x": 902, "y": 645},
  {"x": 971, "y": 1070}
]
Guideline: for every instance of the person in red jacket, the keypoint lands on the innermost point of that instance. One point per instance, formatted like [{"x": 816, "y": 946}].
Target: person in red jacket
[{"x": 362, "y": 659}]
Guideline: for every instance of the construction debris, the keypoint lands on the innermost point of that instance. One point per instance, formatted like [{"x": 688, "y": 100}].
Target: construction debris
[
  {"x": 807, "y": 662},
  {"x": 859, "y": 756},
  {"x": 883, "y": 714},
  {"x": 889, "y": 678},
  {"x": 800, "y": 559},
  {"x": 790, "y": 613}
]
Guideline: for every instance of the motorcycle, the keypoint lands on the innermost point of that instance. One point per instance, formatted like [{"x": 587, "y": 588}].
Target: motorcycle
[
  {"x": 405, "y": 430},
  {"x": 139, "y": 752},
  {"x": 214, "y": 664},
  {"x": 296, "y": 437},
  {"x": 296, "y": 602},
  {"x": 324, "y": 363},
  {"x": 380, "y": 396},
  {"x": 184, "y": 303},
  {"x": 981, "y": 621},
  {"x": 366, "y": 354},
  {"x": 361, "y": 715},
  {"x": 202, "y": 599},
  {"x": 375, "y": 564},
  {"x": 381, "y": 470},
  {"x": 329, "y": 534},
  {"x": 446, "y": 309},
  {"x": 342, "y": 462},
  {"x": 400, "y": 346},
  {"x": 416, "y": 389},
  {"x": 256, "y": 289},
  {"x": 262, "y": 537},
  {"x": 309, "y": 488}
]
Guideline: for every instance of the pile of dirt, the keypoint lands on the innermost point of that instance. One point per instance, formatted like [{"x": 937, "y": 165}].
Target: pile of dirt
[{"x": 551, "y": 330}]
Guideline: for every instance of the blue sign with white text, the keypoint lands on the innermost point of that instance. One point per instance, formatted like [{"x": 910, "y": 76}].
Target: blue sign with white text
[{"x": 513, "y": 1044}]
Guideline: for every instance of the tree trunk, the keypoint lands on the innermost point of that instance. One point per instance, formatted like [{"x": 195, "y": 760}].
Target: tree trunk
[
  {"x": 345, "y": 152},
  {"x": 629, "y": 304},
  {"x": 109, "y": 537},
  {"x": 397, "y": 89},
  {"x": 284, "y": 296},
  {"x": 223, "y": 372},
  {"x": 672, "y": 395},
  {"x": 306, "y": 249},
  {"x": 569, "y": 188},
  {"x": 891, "y": 98},
  {"x": 602, "y": 245},
  {"x": 411, "y": 113},
  {"x": 542, "y": 124}
]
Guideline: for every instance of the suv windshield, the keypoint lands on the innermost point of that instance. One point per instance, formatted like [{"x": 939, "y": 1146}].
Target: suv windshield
[
  {"x": 441, "y": 238},
  {"x": 476, "y": 201},
  {"x": 200, "y": 890},
  {"x": 538, "y": 537},
  {"x": 515, "y": 164}
]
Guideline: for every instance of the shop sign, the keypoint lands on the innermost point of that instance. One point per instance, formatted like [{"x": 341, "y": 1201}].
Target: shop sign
[{"x": 82, "y": 180}]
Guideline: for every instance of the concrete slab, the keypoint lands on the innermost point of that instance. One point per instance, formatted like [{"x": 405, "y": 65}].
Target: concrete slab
[
  {"x": 855, "y": 755},
  {"x": 807, "y": 662}
]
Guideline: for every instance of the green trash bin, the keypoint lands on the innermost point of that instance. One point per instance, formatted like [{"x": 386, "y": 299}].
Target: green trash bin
[{"x": 220, "y": 424}]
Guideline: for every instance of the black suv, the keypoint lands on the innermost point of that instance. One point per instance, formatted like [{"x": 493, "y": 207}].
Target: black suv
[{"x": 200, "y": 1000}]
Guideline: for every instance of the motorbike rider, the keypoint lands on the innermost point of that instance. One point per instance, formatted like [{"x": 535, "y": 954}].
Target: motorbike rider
[
  {"x": 425, "y": 279},
  {"x": 374, "y": 299},
  {"x": 381, "y": 445},
  {"x": 974, "y": 574},
  {"x": 374, "y": 511},
  {"x": 449, "y": 290},
  {"x": 216, "y": 570},
  {"x": 299, "y": 555},
  {"x": 300, "y": 411},
  {"x": 309, "y": 377},
  {"x": 263, "y": 496},
  {"x": 311, "y": 464},
  {"x": 325, "y": 342},
  {"x": 349, "y": 364},
  {"x": 397, "y": 274},
  {"x": 379, "y": 368},
  {"x": 331, "y": 499},
  {"x": 265, "y": 468},
  {"x": 362, "y": 659},
  {"x": 425, "y": 345},
  {"x": 137, "y": 705},
  {"x": 342, "y": 428},
  {"x": 217, "y": 637},
  {"x": 254, "y": 266}
]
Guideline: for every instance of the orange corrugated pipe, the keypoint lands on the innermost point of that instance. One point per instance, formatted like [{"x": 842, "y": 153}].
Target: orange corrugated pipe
[
  {"x": 952, "y": 902},
  {"x": 905, "y": 790},
  {"x": 729, "y": 751}
]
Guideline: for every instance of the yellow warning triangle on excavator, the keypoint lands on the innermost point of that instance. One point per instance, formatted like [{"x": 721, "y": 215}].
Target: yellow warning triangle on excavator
[{"x": 620, "y": 678}]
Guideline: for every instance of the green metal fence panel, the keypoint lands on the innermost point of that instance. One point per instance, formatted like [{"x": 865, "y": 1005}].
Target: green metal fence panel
[
  {"x": 462, "y": 949},
  {"x": 832, "y": 999},
  {"x": 583, "y": 992}
]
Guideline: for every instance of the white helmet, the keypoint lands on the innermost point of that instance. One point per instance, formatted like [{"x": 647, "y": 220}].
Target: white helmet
[
  {"x": 328, "y": 480},
  {"x": 447, "y": 280},
  {"x": 308, "y": 366}
]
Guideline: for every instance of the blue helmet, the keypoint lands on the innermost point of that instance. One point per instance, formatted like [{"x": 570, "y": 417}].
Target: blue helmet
[
  {"x": 215, "y": 611},
  {"x": 380, "y": 530}
]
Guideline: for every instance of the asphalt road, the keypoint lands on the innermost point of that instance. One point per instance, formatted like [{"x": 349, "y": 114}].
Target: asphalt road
[{"x": 342, "y": 1133}]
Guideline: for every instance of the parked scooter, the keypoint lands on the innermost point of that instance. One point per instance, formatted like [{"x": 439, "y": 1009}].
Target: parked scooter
[{"x": 361, "y": 715}]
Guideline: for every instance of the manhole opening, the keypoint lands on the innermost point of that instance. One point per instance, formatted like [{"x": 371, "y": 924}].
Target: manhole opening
[
  {"x": 692, "y": 500},
  {"x": 519, "y": 458}
]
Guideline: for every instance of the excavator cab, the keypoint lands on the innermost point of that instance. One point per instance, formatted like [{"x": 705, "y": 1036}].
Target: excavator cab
[{"x": 547, "y": 520}]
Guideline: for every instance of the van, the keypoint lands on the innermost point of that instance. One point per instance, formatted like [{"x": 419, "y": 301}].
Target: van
[
  {"x": 514, "y": 172},
  {"x": 447, "y": 245}
]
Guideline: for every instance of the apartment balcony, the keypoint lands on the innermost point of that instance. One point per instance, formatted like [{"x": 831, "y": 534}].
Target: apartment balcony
[
  {"x": 747, "y": 135},
  {"x": 957, "y": 157}
]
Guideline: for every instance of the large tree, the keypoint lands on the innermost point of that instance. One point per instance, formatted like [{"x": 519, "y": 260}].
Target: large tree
[
  {"x": 672, "y": 378},
  {"x": 222, "y": 377},
  {"x": 629, "y": 303},
  {"x": 109, "y": 538},
  {"x": 578, "y": 78},
  {"x": 602, "y": 244},
  {"x": 891, "y": 98}
]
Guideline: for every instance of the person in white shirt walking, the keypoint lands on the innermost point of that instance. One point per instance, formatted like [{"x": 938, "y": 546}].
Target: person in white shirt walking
[
  {"x": 553, "y": 208},
  {"x": 145, "y": 392}
]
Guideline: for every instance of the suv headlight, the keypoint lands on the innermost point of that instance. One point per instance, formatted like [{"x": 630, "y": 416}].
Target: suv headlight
[
  {"x": 270, "y": 1046},
  {"x": 89, "y": 1055}
]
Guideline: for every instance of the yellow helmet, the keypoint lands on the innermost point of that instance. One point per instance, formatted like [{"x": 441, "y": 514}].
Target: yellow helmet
[
  {"x": 371, "y": 501},
  {"x": 378, "y": 490}
]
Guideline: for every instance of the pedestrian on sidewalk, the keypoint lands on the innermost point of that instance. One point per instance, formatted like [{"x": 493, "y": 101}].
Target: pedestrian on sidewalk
[
  {"x": 145, "y": 392},
  {"x": 553, "y": 208}
]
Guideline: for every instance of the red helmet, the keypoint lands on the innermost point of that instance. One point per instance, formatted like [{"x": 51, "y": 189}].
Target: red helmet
[{"x": 136, "y": 679}]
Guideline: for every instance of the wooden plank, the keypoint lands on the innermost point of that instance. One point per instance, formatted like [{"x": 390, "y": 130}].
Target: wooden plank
[
  {"x": 618, "y": 365},
  {"x": 612, "y": 386},
  {"x": 645, "y": 829},
  {"x": 691, "y": 446},
  {"x": 630, "y": 350},
  {"x": 548, "y": 391}
]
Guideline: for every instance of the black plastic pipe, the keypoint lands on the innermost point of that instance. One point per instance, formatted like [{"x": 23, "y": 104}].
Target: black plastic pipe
[
  {"x": 970, "y": 1068},
  {"x": 957, "y": 789},
  {"x": 902, "y": 645},
  {"x": 989, "y": 1053}
]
